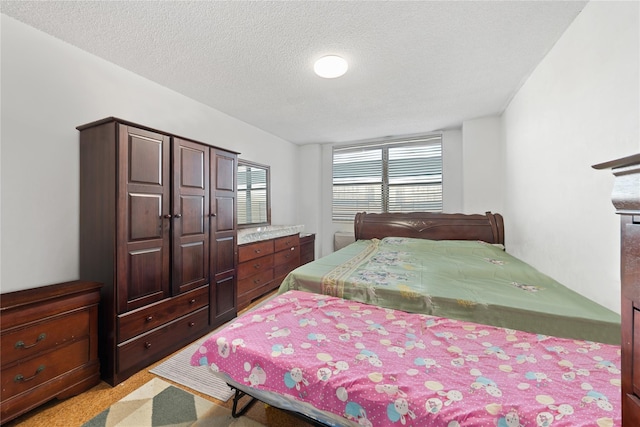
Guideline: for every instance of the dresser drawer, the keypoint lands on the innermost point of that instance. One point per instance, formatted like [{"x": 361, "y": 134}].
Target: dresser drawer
[
  {"x": 286, "y": 242},
  {"x": 284, "y": 269},
  {"x": 254, "y": 250},
  {"x": 254, "y": 266},
  {"x": 34, "y": 338},
  {"x": 286, "y": 256},
  {"x": 137, "y": 352},
  {"x": 21, "y": 377},
  {"x": 145, "y": 319},
  {"x": 253, "y": 282}
]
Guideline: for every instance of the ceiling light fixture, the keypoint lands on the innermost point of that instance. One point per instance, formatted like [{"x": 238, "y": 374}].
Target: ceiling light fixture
[{"x": 330, "y": 66}]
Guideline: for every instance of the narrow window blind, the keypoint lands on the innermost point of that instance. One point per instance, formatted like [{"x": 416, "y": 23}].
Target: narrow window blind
[
  {"x": 252, "y": 195},
  {"x": 402, "y": 175}
]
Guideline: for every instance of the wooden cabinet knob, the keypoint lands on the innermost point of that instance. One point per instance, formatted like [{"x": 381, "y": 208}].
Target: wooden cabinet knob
[
  {"x": 147, "y": 344},
  {"x": 149, "y": 318}
]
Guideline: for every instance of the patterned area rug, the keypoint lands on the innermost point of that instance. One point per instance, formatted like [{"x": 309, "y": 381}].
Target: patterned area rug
[
  {"x": 179, "y": 370},
  {"x": 158, "y": 403}
]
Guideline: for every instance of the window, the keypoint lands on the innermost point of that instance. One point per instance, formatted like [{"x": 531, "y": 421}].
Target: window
[
  {"x": 393, "y": 176},
  {"x": 253, "y": 194}
]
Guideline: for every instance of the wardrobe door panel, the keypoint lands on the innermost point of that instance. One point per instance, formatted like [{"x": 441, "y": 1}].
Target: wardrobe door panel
[
  {"x": 145, "y": 275},
  {"x": 225, "y": 172},
  {"x": 223, "y": 236},
  {"x": 190, "y": 216},
  {"x": 143, "y": 237},
  {"x": 225, "y": 254},
  {"x": 226, "y": 213},
  {"x": 145, "y": 216}
]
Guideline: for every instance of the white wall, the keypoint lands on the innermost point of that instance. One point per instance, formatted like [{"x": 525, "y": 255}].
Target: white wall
[
  {"x": 578, "y": 108},
  {"x": 483, "y": 166},
  {"x": 48, "y": 88}
]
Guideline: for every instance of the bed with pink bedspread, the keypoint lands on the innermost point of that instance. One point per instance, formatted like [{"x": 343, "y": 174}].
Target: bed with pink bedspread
[{"x": 343, "y": 362}]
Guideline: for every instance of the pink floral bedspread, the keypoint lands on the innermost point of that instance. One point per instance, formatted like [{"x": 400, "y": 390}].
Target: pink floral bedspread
[{"x": 383, "y": 367}]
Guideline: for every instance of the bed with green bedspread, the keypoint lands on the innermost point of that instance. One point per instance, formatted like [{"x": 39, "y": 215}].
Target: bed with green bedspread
[{"x": 460, "y": 279}]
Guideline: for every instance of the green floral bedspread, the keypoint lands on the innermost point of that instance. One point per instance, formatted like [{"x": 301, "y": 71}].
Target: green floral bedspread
[{"x": 466, "y": 280}]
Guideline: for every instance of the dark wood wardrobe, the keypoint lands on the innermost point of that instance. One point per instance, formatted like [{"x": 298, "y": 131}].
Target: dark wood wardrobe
[
  {"x": 158, "y": 229},
  {"x": 626, "y": 199}
]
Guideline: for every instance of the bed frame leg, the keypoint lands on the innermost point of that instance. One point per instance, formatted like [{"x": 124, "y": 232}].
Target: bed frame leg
[{"x": 235, "y": 413}]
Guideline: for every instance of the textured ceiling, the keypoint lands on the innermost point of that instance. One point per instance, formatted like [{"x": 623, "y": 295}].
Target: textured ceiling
[{"x": 414, "y": 66}]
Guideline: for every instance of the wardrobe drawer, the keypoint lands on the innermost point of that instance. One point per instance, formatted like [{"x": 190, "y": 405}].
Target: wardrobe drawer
[
  {"x": 141, "y": 350},
  {"x": 254, "y": 266},
  {"x": 33, "y": 372},
  {"x": 145, "y": 319},
  {"x": 35, "y": 338},
  {"x": 256, "y": 281},
  {"x": 254, "y": 250},
  {"x": 286, "y": 242}
]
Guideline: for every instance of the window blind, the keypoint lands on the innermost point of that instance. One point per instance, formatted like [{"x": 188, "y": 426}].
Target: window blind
[{"x": 403, "y": 175}]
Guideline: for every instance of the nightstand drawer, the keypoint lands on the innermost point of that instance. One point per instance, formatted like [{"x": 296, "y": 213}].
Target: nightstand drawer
[
  {"x": 33, "y": 372},
  {"x": 21, "y": 343},
  {"x": 137, "y": 352},
  {"x": 254, "y": 266},
  {"x": 142, "y": 320}
]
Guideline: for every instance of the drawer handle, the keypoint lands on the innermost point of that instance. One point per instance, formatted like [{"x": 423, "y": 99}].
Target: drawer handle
[
  {"x": 193, "y": 301},
  {"x": 256, "y": 281},
  {"x": 21, "y": 344},
  {"x": 293, "y": 248},
  {"x": 21, "y": 379},
  {"x": 192, "y": 324},
  {"x": 177, "y": 215},
  {"x": 256, "y": 266},
  {"x": 149, "y": 318},
  {"x": 147, "y": 344},
  {"x": 257, "y": 251}
]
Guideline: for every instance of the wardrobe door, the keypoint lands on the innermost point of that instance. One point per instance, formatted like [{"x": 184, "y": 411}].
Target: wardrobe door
[
  {"x": 223, "y": 236},
  {"x": 143, "y": 229},
  {"x": 190, "y": 215}
]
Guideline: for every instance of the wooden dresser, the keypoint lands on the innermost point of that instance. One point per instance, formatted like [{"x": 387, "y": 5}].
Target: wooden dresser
[
  {"x": 264, "y": 264},
  {"x": 626, "y": 199},
  {"x": 49, "y": 342}
]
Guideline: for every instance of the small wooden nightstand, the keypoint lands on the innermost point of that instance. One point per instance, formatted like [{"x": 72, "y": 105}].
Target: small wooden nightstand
[
  {"x": 49, "y": 343},
  {"x": 307, "y": 248}
]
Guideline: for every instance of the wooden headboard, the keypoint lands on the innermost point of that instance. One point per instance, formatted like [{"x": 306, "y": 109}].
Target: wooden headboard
[{"x": 429, "y": 225}]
